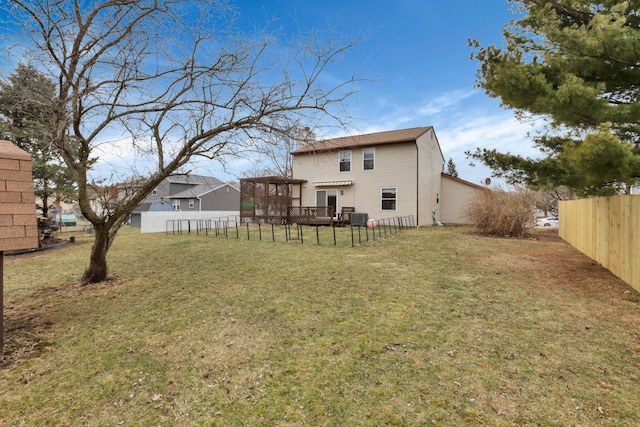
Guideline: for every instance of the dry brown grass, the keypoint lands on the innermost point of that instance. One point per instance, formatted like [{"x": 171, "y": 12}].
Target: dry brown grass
[{"x": 434, "y": 326}]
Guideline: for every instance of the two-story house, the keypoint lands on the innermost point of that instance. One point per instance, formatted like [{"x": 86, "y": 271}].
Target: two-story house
[
  {"x": 189, "y": 193},
  {"x": 384, "y": 174}
]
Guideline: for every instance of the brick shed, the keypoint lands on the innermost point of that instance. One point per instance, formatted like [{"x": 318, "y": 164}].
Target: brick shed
[{"x": 18, "y": 226}]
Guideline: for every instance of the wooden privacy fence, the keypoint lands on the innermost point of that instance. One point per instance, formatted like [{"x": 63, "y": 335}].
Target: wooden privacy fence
[{"x": 606, "y": 230}]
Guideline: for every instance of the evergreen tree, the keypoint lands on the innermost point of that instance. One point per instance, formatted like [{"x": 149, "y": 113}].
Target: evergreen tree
[
  {"x": 451, "y": 168},
  {"x": 573, "y": 62},
  {"x": 26, "y": 105}
]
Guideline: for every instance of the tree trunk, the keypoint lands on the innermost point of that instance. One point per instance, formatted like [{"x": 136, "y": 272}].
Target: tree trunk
[{"x": 97, "y": 270}]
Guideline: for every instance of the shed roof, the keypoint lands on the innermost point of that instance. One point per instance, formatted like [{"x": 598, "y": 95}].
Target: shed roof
[
  {"x": 367, "y": 140},
  {"x": 462, "y": 181},
  {"x": 11, "y": 151}
]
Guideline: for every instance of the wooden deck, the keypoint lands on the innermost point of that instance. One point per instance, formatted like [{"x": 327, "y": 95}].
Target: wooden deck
[{"x": 310, "y": 215}]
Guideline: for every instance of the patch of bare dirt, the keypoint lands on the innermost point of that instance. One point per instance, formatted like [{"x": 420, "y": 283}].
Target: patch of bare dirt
[
  {"x": 27, "y": 324},
  {"x": 545, "y": 234}
]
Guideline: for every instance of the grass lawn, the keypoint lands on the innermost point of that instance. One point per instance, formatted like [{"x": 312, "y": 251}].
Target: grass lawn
[{"x": 433, "y": 326}]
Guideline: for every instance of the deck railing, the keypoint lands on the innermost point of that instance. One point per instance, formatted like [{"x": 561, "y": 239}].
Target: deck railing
[{"x": 310, "y": 215}]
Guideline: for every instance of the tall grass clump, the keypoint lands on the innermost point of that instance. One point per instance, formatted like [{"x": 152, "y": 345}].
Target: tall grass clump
[{"x": 498, "y": 212}]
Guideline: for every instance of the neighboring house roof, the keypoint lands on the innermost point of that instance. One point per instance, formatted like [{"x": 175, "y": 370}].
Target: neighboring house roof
[
  {"x": 462, "y": 181},
  {"x": 367, "y": 140},
  {"x": 143, "y": 207},
  {"x": 193, "y": 179},
  {"x": 199, "y": 190}
]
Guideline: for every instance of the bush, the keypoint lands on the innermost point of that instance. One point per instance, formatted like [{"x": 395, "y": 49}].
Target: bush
[{"x": 499, "y": 212}]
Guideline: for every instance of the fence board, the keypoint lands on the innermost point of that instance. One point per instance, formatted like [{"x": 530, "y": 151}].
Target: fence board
[
  {"x": 606, "y": 229},
  {"x": 156, "y": 222}
]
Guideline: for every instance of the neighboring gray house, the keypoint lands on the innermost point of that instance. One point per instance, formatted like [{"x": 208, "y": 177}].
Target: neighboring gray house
[
  {"x": 207, "y": 197},
  {"x": 189, "y": 193}
]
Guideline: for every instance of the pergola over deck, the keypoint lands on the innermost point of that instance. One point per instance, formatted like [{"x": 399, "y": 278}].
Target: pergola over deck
[{"x": 267, "y": 199}]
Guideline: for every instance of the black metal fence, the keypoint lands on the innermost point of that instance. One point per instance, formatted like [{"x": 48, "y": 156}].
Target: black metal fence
[{"x": 329, "y": 235}]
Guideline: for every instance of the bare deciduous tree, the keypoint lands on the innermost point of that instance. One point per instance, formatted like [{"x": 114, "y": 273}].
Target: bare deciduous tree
[
  {"x": 273, "y": 150},
  {"x": 173, "y": 79}
]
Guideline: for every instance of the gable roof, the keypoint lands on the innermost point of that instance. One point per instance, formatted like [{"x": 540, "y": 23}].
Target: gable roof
[
  {"x": 199, "y": 190},
  {"x": 193, "y": 179},
  {"x": 367, "y": 140}
]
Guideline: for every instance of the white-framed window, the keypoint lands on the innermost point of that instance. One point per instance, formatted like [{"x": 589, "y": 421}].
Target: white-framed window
[
  {"x": 192, "y": 203},
  {"x": 389, "y": 198},
  {"x": 345, "y": 161},
  {"x": 155, "y": 191},
  {"x": 368, "y": 159},
  {"x": 176, "y": 204}
]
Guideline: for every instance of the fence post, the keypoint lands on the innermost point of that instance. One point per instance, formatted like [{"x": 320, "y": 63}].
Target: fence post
[
  {"x": 353, "y": 243},
  {"x": 335, "y": 243}
]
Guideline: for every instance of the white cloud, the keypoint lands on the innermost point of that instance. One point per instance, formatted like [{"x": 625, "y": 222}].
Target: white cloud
[
  {"x": 443, "y": 102},
  {"x": 492, "y": 131},
  {"x": 463, "y": 120}
]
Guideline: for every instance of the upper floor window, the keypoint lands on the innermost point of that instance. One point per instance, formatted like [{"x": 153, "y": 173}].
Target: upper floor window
[
  {"x": 345, "y": 161},
  {"x": 176, "y": 205},
  {"x": 389, "y": 198},
  {"x": 368, "y": 158},
  {"x": 155, "y": 191}
]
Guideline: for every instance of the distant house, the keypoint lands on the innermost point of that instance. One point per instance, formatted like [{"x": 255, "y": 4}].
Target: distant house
[
  {"x": 189, "y": 193},
  {"x": 384, "y": 174},
  {"x": 207, "y": 197}
]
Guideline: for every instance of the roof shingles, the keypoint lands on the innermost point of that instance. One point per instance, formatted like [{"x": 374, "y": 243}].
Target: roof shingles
[{"x": 367, "y": 140}]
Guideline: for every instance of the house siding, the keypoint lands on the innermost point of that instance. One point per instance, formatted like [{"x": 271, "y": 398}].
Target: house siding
[
  {"x": 430, "y": 167},
  {"x": 225, "y": 198},
  {"x": 456, "y": 194},
  {"x": 162, "y": 192},
  {"x": 413, "y": 168}
]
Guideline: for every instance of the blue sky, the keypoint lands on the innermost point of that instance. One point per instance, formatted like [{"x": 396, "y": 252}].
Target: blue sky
[
  {"x": 416, "y": 53},
  {"x": 415, "y": 60}
]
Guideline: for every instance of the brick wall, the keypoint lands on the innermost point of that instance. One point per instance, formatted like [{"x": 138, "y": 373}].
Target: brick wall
[{"x": 18, "y": 227}]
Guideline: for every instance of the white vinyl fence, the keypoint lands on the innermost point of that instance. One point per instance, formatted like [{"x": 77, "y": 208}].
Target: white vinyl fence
[{"x": 156, "y": 222}]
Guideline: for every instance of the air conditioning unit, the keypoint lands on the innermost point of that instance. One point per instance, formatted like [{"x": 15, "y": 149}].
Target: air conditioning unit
[{"x": 359, "y": 219}]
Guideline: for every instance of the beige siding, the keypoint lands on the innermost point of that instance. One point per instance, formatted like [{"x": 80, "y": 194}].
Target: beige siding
[
  {"x": 413, "y": 169},
  {"x": 431, "y": 163},
  {"x": 455, "y": 196}
]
